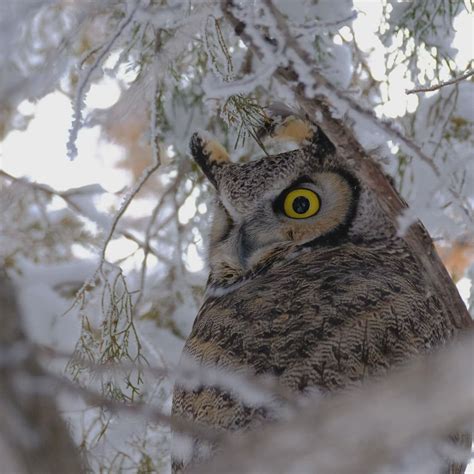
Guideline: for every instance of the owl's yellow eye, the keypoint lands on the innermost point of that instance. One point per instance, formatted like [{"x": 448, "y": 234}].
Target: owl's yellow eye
[{"x": 301, "y": 203}]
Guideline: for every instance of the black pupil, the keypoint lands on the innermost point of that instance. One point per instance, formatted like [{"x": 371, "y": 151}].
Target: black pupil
[{"x": 300, "y": 205}]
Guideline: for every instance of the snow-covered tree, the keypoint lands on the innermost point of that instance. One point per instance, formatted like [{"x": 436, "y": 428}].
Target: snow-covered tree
[{"x": 109, "y": 276}]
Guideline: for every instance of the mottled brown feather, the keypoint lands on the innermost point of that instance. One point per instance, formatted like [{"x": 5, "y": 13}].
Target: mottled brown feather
[{"x": 319, "y": 315}]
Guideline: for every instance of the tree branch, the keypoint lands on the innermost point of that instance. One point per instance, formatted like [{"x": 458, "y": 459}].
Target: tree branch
[
  {"x": 84, "y": 82},
  {"x": 290, "y": 76},
  {"x": 455, "y": 80},
  {"x": 128, "y": 199},
  {"x": 32, "y": 432},
  {"x": 66, "y": 197},
  {"x": 361, "y": 431}
]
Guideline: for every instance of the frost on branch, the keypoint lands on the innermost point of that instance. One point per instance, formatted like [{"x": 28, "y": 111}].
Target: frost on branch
[{"x": 133, "y": 257}]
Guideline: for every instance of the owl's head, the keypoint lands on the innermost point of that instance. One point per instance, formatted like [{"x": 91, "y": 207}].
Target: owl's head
[{"x": 271, "y": 207}]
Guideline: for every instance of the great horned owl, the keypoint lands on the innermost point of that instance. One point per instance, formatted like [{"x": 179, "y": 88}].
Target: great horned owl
[{"x": 309, "y": 282}]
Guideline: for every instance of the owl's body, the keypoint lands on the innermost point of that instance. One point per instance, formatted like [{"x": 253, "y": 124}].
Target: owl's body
[
  {"x": 320, "y": 302},
  {"x": 340, "y": 315}
]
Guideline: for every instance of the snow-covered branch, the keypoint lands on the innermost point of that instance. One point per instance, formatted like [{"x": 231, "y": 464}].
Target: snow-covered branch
[
  {"x": 33, "y": 436},
  {"x": 148, "y": 76},
  {"x": 363, "y": 431},
  {"x": 85, "y": 81},
  {"x": 75, "y": 206},
  {"x": 326, "y": 91}
]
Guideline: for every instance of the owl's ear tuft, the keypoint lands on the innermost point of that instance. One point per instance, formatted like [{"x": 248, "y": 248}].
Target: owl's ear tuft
[
  {"x": 288, "y": 124},
  {"x": 209, "y": 154},
  {"x": 291, "y": 128},
  {"x": 304, "y": 133},
  {"x": 294, "y": 129}
]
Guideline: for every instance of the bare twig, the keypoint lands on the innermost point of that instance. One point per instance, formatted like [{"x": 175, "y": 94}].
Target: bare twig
[
  {"x": 138, "y": 186},
  {"x": 66, "y": 197},
  {"x": 455, "y": 80},
  {"x": 146, "y": 245}
]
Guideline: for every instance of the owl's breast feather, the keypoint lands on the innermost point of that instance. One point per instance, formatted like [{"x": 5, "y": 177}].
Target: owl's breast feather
[{"x": 326, "y": 318}]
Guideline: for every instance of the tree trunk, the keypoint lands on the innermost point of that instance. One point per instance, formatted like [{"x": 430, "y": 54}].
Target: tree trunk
[{"x": 33, "y": 436}]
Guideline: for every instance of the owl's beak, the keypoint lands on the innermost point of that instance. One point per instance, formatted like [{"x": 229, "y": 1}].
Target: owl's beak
[{"x": 210, "y": 155}]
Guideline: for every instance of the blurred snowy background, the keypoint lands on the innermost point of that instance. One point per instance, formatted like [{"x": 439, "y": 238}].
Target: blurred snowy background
[{"x": 103, "y": 214}]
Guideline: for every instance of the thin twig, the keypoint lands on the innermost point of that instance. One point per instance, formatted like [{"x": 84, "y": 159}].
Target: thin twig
[
  {"x": 48, "y": 190},
  {"x": 146, "y": 245},
  {"x": 138, "y": 186},
  {"x": 65, "y": 196},
  {"x": 455, "y": 80},
  {"x": 187, "y": 373},
  {"x": 93, "y": 398}
]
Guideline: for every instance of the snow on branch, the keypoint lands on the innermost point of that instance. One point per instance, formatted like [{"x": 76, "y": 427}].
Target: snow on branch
[
  {"x": 362, "y": 431},
  {"x": 305, "y": 61},
  {"x": 435, "y": 87},
  {"x": 313, "y": 91},
  {"x": 314, "y": 25},
  {"x": 249, "y": 388},
  {"x": 137, "y": 408},
  {"x": 84, "y": 82},
  {"x": 66, "y": 196}
]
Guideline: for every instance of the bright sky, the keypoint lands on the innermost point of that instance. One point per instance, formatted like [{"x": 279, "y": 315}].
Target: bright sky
[{"x": 39, "y": 152}]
